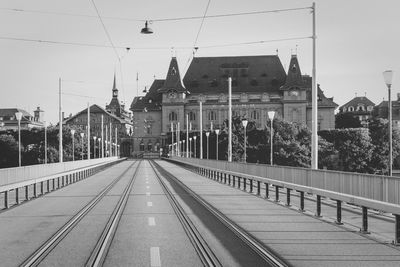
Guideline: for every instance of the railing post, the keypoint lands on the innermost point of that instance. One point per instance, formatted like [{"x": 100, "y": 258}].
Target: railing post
[
  {"x": 224, "y": 178},
  {"x": 17, "y": 195},
  {"x": 6, "y": 202},
  {"x": 339, "y": 212},
  {"x": 397, "y": 230},
  {"x": 276, "y": 193},
  {"x": 233, "y": 180},
  {"x": 48, "y": 186},
  {"x": 41, "y": 188},
  {"x": 34, "y": 190},
  {"x": 58, "y": 182},
  {"x": 54, "y": 184},
  {"x": 258, "y": 188},
  {"x": 229, "y": 179},
  {"x": 244, "y": 183},
  {"x": 288, "y": 196},
  {"x": 364, "y": 228},
  {"x": 239, "y": 179},
  {"x": 266, "y": 190},
  {"x": 26, "y": 192},
  {"x": 301, "y": 200},
  {"x": 318, "y": 214},
  {"x": 251, "y": 185}
]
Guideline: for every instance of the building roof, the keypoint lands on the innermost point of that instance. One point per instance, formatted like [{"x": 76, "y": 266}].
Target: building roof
[
  {"x": 97, "y": 109},
  {"x": 294, "y": 77},
  {"x": 151, "y": 101},
  {"x": 358, "y": 100},
  {"x": 10, "y": 112},
  {"x": 256, "y": 73},
  {"x": 173, "y": 79}
]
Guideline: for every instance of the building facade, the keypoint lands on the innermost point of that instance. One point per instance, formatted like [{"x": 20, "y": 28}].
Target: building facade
[
  {"x": 114, "y": 122},
  {"x": 382, "y": 111},
  {"x": 8, "y": 120},
  {"x": 360, "y": 107},
  {"x": 259, "y": 84}
]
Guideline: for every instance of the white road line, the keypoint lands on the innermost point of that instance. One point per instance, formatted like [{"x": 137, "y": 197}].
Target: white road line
[
  {"x": 152, "y": 221},
  {"x": 149, "y": 204},
  {"x": 148, "y": 194},
  {"x": 155, "y": 260}
]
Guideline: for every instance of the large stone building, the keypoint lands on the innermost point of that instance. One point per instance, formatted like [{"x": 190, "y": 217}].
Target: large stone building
[
  {"x": 382, "y": 111},
  {"x": 359, "y": 107},
  {"x": 259, "y": 84},
  {"x": 114, "y": 117},
  {"x": 8, "y": 120}
]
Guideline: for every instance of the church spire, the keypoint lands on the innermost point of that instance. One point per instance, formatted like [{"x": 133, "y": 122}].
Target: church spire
[
  {"x": 294, "y": 77},
  {"x": 173, "y": 80},
  {"x": 114, "y": 89}
]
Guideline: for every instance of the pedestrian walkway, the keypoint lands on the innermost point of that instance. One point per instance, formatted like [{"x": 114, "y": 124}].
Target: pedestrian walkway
[{"x": 300, "y": 239}]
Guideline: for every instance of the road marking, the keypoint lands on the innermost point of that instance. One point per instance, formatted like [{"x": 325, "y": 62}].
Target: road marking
[
  {"x": 148, "y": 194},
  {"x": 149, "y": 204},
  {"x": 155, "y": 260},
  {"x": 152, "y": 221}
]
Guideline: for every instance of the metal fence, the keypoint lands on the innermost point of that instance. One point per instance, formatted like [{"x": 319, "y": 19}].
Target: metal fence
[
  {"x": 375, "y": 187},
  {"x": 20, "y": 174}
]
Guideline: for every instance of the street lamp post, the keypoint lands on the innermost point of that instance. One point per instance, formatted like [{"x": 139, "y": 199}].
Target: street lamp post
[
  {"x": 190, "y": 147},
  {"x": 82, "y": 135},
  {"x": 100, "y": 147},
  {"x": 45, "y": 142},
  {"x": 271, "y": 115},
  {"x": 94, "y": 146},
  {"x": 194, "y": 138},
  {"x": 388, "y": 76},
  {"x": 217, "y": 133},
  {"x": 244, "y": 123},
  {"x": 18, "y": 116},
  {"x": 208, "y": 147},
  {"x": 183, "y": 148},
  {"x": 73, "y": 144}
]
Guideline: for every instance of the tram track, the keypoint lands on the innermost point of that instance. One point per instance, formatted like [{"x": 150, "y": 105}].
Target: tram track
[
  {"x": 270, "y": 258},
  {"x": 40, "y": 254}
]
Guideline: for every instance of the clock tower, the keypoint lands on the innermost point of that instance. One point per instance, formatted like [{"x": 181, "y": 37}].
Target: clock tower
[{"x": 114, "y": 107}]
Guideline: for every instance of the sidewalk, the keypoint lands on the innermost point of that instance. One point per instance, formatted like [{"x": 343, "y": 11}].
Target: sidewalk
[{"x": 300, "y": 239}]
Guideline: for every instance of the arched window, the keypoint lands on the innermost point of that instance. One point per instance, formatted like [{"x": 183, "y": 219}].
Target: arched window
[
  {"x": 255, "y": 115},
  {"x": 172, "y": 116},
  {"x": 351, "y": 109},
  {"x": 141, "y": 146},
  {"x": 212, "y": 116},
  {"x": 192, "y": 116}
]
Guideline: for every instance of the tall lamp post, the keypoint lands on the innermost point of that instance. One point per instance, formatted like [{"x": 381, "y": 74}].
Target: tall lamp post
[
  {"x": 388, "y": 76},
  {"x": 82, "y": 135},
  {"x": 94, "y": 146},
  {"x": 100, "y": 147},
  {"x": 271, "y": 115},
  {"x": 208, "y": 147},
  {"x": 18, "y": 116},
  {"x": 190, "y": 147},
  {"x": 194, "y": 138},
  {"x": 217, "y": 133},
  {"x": 73, "y": 144},
  {"x": 244, "y": 123}
]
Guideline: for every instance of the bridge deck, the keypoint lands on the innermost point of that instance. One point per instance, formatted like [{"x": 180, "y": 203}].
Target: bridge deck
[{"x": 301, "y": 240}]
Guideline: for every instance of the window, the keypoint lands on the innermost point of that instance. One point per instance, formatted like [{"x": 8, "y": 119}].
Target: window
[
  {"x": 149, "y": 146},
  {"x": 141, "y": 147},
  {"x": 255, "y": 115},
  {"x": 148, "y": 129},
  {"x": 351, "y": 109},
  {"x": 172, "y": 116},
  {"x": 212, "y": 116},
  {"x": 192, "y": 116}
]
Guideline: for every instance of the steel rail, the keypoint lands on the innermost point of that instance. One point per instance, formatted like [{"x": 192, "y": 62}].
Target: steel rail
[
  {"x": 205, "y": 253},
  {"x": 100, "y": 251},
  {"x": 37, "y": 257},
  {"x": 269, "y": 256}
]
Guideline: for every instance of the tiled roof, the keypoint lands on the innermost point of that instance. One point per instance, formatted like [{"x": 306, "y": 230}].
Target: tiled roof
[
  {"x": 358, "y": 100},
  {"x": 10, "y": 112},
  {"x": 152, "y": 100},
  {"x": 97, "y": 109},
  {"x": 255, "y": 73}
]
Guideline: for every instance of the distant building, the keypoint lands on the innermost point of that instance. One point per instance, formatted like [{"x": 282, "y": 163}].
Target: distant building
[
  {"x": 360, "y": 107},
  {"x": 382, "y": 111},
  {"x": 259, "y": 84},
  {"x": 8, "y": 121},
  {"x": 114, "y": 116}
]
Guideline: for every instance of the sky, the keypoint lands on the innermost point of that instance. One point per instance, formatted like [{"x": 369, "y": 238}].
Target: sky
[{"x": 42, "y": 41}]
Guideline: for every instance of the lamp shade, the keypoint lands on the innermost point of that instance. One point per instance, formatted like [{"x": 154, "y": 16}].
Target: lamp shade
[
  {"x": 207, "y": 134},
  {"x": 271, "y": 114},
  {"x": 82, "y": 135},
  {"x": 18, "y": 115},
  {"x": 146, "y": 30},
  {"x": 72, "y": 132},
  {"x": 244, "y": 123},
  {"x": 387, "y": 77},
  {"x": 94, "y": 138},
  {"x": 217, "y": 131},
  {"x": 195, "y": 137}
]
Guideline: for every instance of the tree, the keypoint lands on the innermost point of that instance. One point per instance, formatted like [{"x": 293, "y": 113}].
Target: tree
[
  {"x": 8, "y": 151},
  {"x": 346, "y": 120}
]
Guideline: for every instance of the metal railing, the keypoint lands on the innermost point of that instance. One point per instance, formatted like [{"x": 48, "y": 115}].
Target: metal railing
[
  {"x": 61, "y": 174},
  {"x": 287, "y": 180}
]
